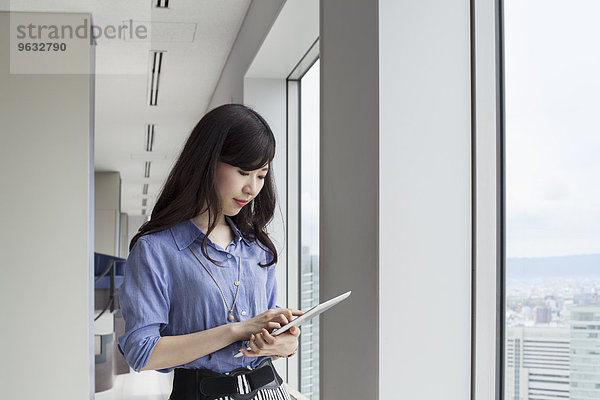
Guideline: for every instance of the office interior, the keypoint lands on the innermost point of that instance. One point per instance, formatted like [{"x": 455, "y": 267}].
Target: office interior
[{"x": 407, "y": 105}]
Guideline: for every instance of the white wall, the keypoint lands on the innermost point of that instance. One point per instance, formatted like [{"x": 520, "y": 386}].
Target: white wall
[
  {"x": 107, "y": 214},
  {"x": 256, "y": 25},
  {"x": 123, "y": 232},
  {"x": 349, "y": 335},
  {"x": 396, "y": 199},
  {"x": 46, "y": 242},
  {"x": 425, "y": 199}
]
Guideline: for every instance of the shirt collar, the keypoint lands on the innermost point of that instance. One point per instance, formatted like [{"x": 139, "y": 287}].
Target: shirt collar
[
  {"x": 186, "y": 232},
  {"x": 236, "y": 231}
]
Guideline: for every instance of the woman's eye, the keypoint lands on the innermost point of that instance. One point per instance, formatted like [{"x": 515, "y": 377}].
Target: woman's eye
[{"x": 246, "y": 174}]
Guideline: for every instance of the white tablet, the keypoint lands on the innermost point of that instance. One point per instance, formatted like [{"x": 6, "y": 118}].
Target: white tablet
[{"x": 311, "y": 313}]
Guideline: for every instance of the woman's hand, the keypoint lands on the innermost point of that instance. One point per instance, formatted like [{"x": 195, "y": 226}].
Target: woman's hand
[
  {"x": 269, "y": 320},
  {"x": 264, "y": 344}
]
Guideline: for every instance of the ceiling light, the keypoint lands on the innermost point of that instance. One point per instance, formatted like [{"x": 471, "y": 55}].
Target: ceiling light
[
  {"x": 156, "y": 58},
  {"x": 149, "y": 137}
]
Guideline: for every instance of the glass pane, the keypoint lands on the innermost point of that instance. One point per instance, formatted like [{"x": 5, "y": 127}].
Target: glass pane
[
  {"x": 309, "y": 229},
  {"x": 552, "y": 348}
]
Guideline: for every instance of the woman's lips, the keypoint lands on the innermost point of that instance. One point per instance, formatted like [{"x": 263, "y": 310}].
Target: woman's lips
[{"x": 240, "y": 202}]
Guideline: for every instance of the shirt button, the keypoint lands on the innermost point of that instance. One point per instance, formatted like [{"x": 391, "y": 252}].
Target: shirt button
[
  {"x": 236, "y": 283},
  {"x": 243, "y": 312},
  {"x": 228, "y": 255}
]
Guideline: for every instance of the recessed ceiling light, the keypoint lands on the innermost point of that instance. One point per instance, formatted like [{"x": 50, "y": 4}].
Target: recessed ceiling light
[
  {"x": 156, "y": 58},
  {"x": 149, "y": 137},
  {"x": 162, "y": 3}
]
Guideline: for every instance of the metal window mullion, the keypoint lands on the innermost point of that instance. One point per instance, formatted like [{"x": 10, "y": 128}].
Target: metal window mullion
[{"x": 488, "y": 201}]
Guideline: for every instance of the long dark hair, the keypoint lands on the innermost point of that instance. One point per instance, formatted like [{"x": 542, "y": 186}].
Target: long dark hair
[{"x": 233, "y": 134}]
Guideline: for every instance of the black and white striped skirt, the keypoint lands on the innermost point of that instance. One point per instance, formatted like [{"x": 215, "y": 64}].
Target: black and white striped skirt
[
  {"x": 186, "y": 385},
  {"x": 279, "y": 393},
  {"x": 267, "y": 394}
]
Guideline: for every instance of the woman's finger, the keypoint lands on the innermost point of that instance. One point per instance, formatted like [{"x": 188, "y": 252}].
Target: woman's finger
[
  {"x": 297, "y": 312},
  {"x": 247, "y": 353},
  {"x": 294, "y": 330},
  {"x": 267, "y": 337},
  {"x": 286, "y": 312},
  {"x": 253, "y": 346},
  {"x": 289, "y": 314},
  {"x": 258, "y": 340},
  {"x": 283, "y": 319},
  {"x": 273, "y": 325}
]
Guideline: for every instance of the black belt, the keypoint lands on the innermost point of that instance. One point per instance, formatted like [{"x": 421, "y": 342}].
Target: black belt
[{"x": 239, "y": 384}]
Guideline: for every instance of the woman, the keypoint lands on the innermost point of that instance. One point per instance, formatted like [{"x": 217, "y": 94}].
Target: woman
[{"x": 200, "y": 281}]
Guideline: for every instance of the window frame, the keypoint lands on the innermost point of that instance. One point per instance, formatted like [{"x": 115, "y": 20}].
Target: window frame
[
  {"x": 293, "y": 120},
  {"x": 488, "y": 184}
]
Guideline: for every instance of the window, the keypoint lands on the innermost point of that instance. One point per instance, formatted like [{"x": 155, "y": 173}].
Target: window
[
  {"x": 552, "y": 285},
  {"x": 303, "y": 211},
  {"x": 309, "y": 229}
]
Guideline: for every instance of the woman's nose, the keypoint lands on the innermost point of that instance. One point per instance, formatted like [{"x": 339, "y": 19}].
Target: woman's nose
[{"x": 251, "y": 187}]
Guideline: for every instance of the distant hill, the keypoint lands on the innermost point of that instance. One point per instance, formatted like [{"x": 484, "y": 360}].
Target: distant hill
[{"x": 564, "y": 266}]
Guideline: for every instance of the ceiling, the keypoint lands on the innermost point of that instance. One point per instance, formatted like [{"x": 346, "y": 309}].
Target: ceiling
[{"x": 195, "y": 36}]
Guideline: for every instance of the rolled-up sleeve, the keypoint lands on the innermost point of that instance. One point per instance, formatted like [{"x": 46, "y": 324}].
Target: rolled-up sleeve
[{"x": 144, "y": 299}]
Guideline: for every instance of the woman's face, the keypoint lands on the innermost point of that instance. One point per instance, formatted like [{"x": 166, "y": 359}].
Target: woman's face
[{"x": 236, "y": 187}]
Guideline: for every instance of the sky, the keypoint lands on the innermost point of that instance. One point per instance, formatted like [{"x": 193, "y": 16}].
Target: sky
[
  {"x": 552, "y": 82},
  {"x": 552, "y": 97},
  {"x": 309, "y": 150}
]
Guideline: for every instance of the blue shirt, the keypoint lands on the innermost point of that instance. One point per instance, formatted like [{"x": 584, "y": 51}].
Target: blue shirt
[{"x": 167, "y": 292}]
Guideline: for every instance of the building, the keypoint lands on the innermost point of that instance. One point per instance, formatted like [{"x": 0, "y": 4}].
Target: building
[
  {"x": 309, "y": 343},
  {"x": 585, "y": 353},
  {"x": 537, "y": 363},
  {"x": 543, "y": 315}
]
